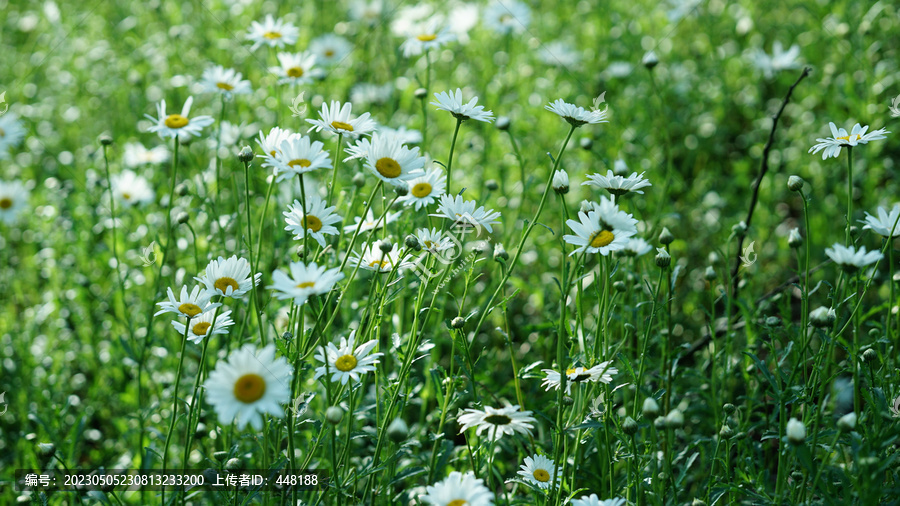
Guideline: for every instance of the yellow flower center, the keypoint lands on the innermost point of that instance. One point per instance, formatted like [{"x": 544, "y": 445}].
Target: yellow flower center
[
  {"x": 201, "y": 328},
  {"x": 343, "y": 126},
  {"x": 429, "y": 244},
  {"x": 272, "y": 35},
  {"x": 421, "y": 190},
  {"x": 5, "y": 203},
  {"x": 329, "y": 53},
  {"x": 498, "y": 419},
  {"x": 126, "y": 195},
  {"x": 176, "y": 121},
  {"x": 306, "y": 284},
  {"x": 541, "y": 475},
  {"x": 602, "y": 238},
  {"x": 345, "y": 363},
  {"x": 249, "y": 388},
  {"x": 457, "y": 502},
  {"x": 388, "y": 167},
  {"x": 380, "y": 263},
  {"x": 189, "y": 309},
  {"x": 312, "y": 223},
  {"x": 2, "y": 132},
  {"x": 224, "y": 86},
  {"x": 847, "y": 137},
  {"x": 505, "y": 18},
  {"x": 295, "y": 72},
  {"x": 581, "y": 377},
  {"x": 273, "y": 152},
  {"x": 427, "y": 37},
  {"x": 222, "y": 284},
  {"x": 303, "y": 162}
]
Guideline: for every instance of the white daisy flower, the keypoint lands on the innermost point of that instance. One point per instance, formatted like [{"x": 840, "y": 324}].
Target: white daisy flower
[
  {"x": 452, "y": 102},
  {"x": 250, "y": 384},
  {"x": 202, "y": 325},
  {"x": 496, "y": 421},
  {"x": 359, "y": 149},
  {"x": 601, "y": 373},
  {"x": 851, "y": 259},
  {"x": 427, "y": 36},
  {"x": 507, "y": 16},
  {"x": 304, "y": 281},
  {"x": 886, "y": 224},
  {"x": 600, "y": 233},
  {"x": 433, "y": 241},
  {"x": 336, "y": 119},
  {"x": 130, "y": 189},
  {"x": 317, "y": 219},
  {"x": 636, "y": 247},
  {"x": 298, "y": 154},
  {"x": 136, "y": 155},
  {"x": 272, "y": 33},
  {"x": 559, "y": 54},
  {"x": 230, "y": 278},
  {"x": 458, "y": 489},
  {"x": 371, "y": 258},
  {"x": 11, "y": 133},
  {"x": 594, "y": 500},
  {"x": 575, "y": 115},
  {"x": 13, "y": 200},
  {"x": 618, "y": 185},
  {"x": 539, "y": 471},
  {"x": 178, "y": 125},
  {"x": 425, "y": 189},
  {"x": 187, "y": 304},
  {"x": 295, "y": 68},
  {"x": 463, "y": 212},
  {"x": 371, "y": 222},
  {"x": 330, "y": 48},
  {"x": 780, "y": 59},
  {"x": 228, "y": 82},
  {"x": 560, "y": 182},
  {"x": 366, "y": 11},
  {"x": 391, "y": 161},
  {"x": 270, "y": 143},
  {"x": 840, "y": 138},
  {"x": 402, "y": 134},
  {"x": 344, "y": 362},
  {"x": 369, "y": 94}
]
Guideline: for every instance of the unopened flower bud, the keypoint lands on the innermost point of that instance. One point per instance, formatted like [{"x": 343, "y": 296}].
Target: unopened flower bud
[
  {"x": 869, "y": 356},
  {"x": 586, "y": 143},
  {"x": 854, "y": 231},
  {"x": 182, "y": 218},
  {"x": 710, "y": 273},
  {"x": 698, "y": 502},
  {"x": 46, "y": 448},
  {"x": 334, "y": 414},
  {"x": 233, "y": 464},
  {"x": 420, "y": 93},
  {"x": 660, "y": 423},
  {"x": 794, "y": 239},
  {"x": 398, "y": 431},
  {"x": 675, "y": 419},
  {"x": 457, "y": 322},
  {"x": 359, "y": 180},
  {"x": 729, "y": 408},
  {"x": 401, "y": 189},
  {"x": 620, "y": 286},
  {"x": 650, "y": 60},
  {"x": 181, "y": 190},
  {"x": 106, "y": 139},
  {"x": 666, "y": 237},
  {"x": 847, "y": 422},
  {"x": 491, "y": 185},
  {"x": 412, "y": 242},
  {"x": 629, "y": 426},
  {"x": 662, "y": 258},
  {"x": 726, "y": 432},
  {"x": 568, "y": 401},
  {"x": 560, "y": 182},
  {"x": 650, "y": 409},
  {"x": 500, "y": 253},
  {"x": 822, "y": 317},
  {"x": 385, "y": 245},
  {"x": 795, "y": 184},
  {"x": 796, "y": 431},
  {"x": 713, "y": 258},
  {"x": 502, "y": 123},
  {"x": 246, "y": 154},
  {"x": 220, "y": 456},
  {"x": 739, "y": 229},
  {"x": 287, "y": 336}
]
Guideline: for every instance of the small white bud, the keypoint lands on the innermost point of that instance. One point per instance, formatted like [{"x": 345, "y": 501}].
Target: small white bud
[
  {"x": 796, "y": 431},
  {"x": 560, "y": 182},
  {"x": 847, "y": 422}
]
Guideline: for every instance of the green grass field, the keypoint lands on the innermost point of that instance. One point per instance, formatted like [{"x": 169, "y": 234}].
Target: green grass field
[{"x": 626, "y": 274}]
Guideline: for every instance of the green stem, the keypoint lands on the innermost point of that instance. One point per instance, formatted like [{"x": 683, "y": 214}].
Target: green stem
[
  {"x": 450, "y": 158},
  {"x": 337, "y": 157},
  {"x": 165, "y": 459}
]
